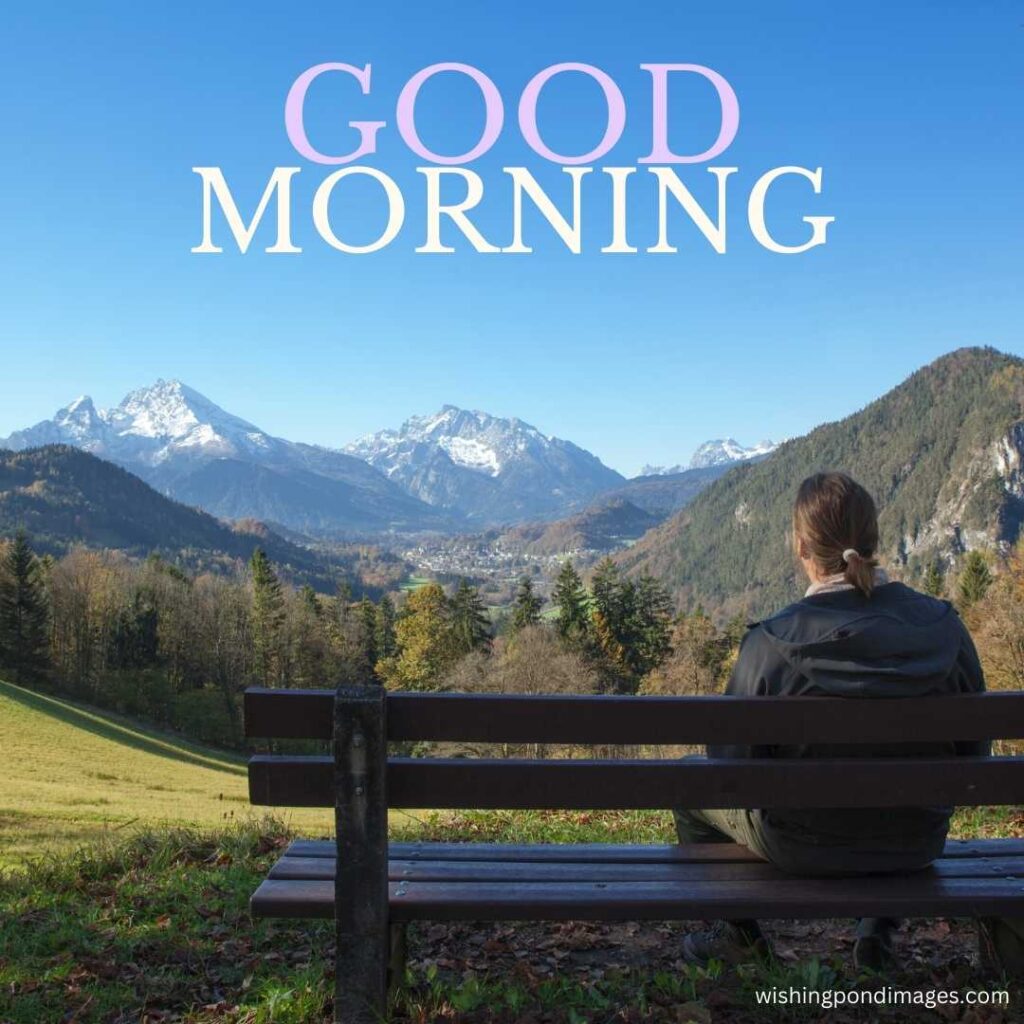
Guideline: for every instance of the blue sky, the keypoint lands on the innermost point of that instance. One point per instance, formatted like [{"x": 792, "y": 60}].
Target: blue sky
[{"x": 913, "y": 111}]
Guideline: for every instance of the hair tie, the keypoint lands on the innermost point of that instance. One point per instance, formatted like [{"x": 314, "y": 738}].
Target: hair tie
[{"x": 849, "y": 554}]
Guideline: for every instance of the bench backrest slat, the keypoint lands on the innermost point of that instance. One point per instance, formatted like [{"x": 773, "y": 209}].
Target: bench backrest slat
[
  {"x": 486, "y": 718},
  {"x": 590, "y": 785}
]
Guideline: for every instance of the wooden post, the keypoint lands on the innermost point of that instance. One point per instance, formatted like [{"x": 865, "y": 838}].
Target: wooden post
[{"x": 361, "y": 886}]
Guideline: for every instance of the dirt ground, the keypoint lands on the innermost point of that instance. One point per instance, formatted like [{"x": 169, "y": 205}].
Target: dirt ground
[{"x": 932, "y": 955}]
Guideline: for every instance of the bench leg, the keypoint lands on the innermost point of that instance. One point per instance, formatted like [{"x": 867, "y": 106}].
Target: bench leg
[
  {"x": 396, "y": 965},
  {"x": 360, "y": 979},
  {"x": 361, "y": 880}
]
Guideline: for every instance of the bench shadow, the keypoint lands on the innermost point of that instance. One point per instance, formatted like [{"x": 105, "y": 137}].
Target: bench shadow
[{"x": 123, "y": 734}]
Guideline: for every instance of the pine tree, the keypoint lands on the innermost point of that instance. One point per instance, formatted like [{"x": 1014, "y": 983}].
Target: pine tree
[
  {"x": 24, "y": 614},
  {"x": 134, "y": 635},
  {"x": 632, "y": 622},
  {"x": 526, "y": 607},
  {"x": 735, "y": 630},
  {"x": 935, "y": 580},
  {"x": 570, "y": 597},
  {"x": 975, "y": 579},
  {"x": 267, "y": 617},
  {"x": 367, "y": 614},
  {"x": 651, "y": 625},
  {"x": 310, "y": 601},
  {"x": 608, "y": 617},
  {"x": 606, "y": 587},
  {"x": 384, "y": 629},
  {"x": 471, "y": 625}
]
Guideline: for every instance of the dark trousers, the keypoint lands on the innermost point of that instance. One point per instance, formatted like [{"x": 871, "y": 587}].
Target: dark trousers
[{"x": 746, "y": 827}]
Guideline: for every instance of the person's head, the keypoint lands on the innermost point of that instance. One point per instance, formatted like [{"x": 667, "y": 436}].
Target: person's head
[{"x": 835, "y": 530}]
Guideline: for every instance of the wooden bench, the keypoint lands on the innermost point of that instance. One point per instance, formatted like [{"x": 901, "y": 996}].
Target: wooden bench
[{"x": 372, "y": 889}]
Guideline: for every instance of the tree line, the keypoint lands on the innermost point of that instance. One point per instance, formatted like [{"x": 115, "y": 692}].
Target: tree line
[
  {"x": 146, "y": 639},
  {"x": 620, "y": 629}
]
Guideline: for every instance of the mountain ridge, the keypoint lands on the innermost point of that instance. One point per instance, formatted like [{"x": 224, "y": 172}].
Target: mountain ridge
[
  {"x": 942, "y": 453},
  {"x": 169, "y": 434},
  {"x": 718, "y": 452},
  {"x": 63, "y": 496},
  {"x": 441, "y": 472},
  {"x": 600, "y": 528},
  {"x": 486, "y": 468}
]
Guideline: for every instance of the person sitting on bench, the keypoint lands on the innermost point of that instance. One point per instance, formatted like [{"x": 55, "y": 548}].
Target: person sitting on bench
[{"x": 853, "y": 634}]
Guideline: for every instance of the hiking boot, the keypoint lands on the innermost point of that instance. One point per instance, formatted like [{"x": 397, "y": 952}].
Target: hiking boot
[
  {"x": 873, "y": 953},
  {"x": 873, "y": 949},
  {"x": 1001, "y": 944},
  {"x": 730, "y": 942}
]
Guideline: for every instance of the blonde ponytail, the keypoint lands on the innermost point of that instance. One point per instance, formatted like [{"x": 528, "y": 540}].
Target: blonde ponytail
[{"x": 859, "y": 571}]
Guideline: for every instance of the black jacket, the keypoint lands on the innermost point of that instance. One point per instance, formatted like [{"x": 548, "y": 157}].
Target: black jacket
[{"x": 897, "y": 643}]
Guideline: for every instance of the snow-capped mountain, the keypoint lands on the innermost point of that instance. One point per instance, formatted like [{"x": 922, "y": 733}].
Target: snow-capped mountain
[
  {"x": 191, "y": 449},
  {"x": 151, "y": 426},
  {"x": 721, "y": 452},
  {"x": 433, "y": 472},
  {"x": 486, "y": 468}
]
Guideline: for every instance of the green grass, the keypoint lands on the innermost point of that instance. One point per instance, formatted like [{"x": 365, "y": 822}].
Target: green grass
[
  {"x": 538, "y": 827},
  {"x": 415, "y": 582},
  {"x": 156, "y": 924},
  {"x": 73, "y": 775},
  {"x": 149, "y": 921},
  {"x": 155, "y": 927}
]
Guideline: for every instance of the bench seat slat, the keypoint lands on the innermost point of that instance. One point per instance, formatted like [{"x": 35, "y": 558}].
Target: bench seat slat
[
  {"x": 613, "y": 852},
  {"x": 508, "y": 871},
  {"x": 322, "y": 868},
  {"x": 921, "y": 895}
]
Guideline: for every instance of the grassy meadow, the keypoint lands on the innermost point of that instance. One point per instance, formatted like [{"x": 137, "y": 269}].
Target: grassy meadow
[
  {"x": 127, "y": 858},
  {"x": 415, "y": 582},
  {"x": 73, "y": 775},
  {"x": 155, "y": 929}
]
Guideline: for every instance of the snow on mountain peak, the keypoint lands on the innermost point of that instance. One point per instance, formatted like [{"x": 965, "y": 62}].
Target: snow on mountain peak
[
  {"x": 80, "y": 408},
  {"x": 81, "y": 403},
  {"x": 78, "y": 419},
  {"x": 170, "y": 410},
  {"x": 721, "y": 452},
  {"x": 471, "y": 453},
  {"x": 471, "y": 439},
  {"x": 159, "y": 411},
  {"x": 488, "y": 467},
  {"x": 725, "y": 450},
  {"x": 181, "y": 443},
  {"x": 149, "y": 425}
]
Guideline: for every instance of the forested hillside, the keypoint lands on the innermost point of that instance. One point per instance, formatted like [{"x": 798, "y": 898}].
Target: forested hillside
[
  {"x": 603, "y": 527},
  {"x": 942, "y": 454},
  {"x": 664, "y": 493},
  {"x": 63, "y": 496}
]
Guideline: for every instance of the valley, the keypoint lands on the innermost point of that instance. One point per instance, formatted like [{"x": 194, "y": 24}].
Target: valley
[
  {"x": 498, "y": 559},
  {"x": 463, "y": 493},
  {"x": 455, "y": 494}
]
